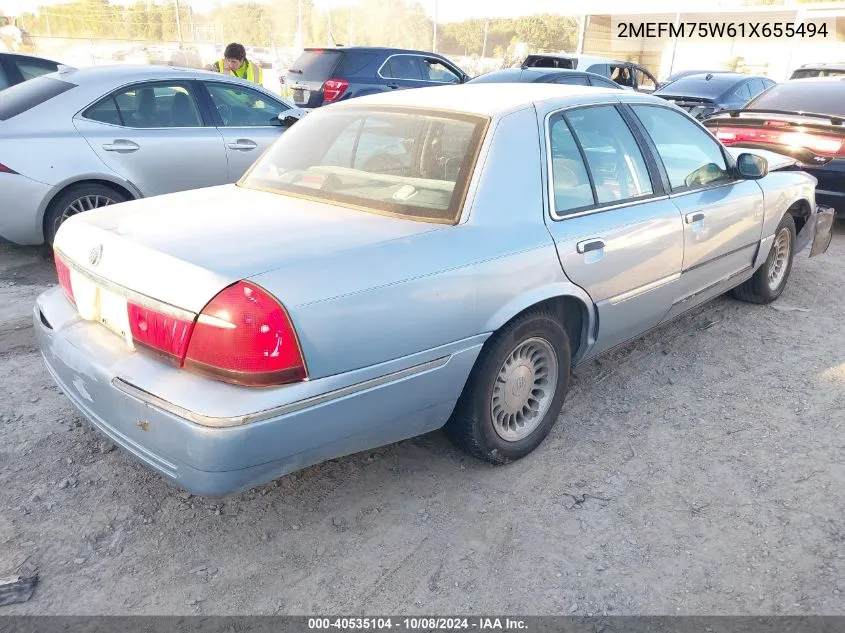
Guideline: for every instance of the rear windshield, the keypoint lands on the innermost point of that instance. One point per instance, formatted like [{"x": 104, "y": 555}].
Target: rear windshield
[
  {"x": 408, "y": 162},
  {"x": 29, "y": 94},
  {"x": 541, "y": 61},
  {"x": 700, "y": 87},
  {"x": 316, "y": 65},
  {"x": 821, "y": 97},
  {"x": 806, "y": 73}
]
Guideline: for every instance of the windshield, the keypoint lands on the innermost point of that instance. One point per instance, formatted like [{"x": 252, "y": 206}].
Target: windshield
[
  {"x": 408, "y": 162},
  {"x": 824, "y": 96}
]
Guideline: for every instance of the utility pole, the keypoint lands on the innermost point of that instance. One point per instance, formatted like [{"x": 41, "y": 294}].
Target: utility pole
[
  {"x": 178, "y": 24},
  {"x": 484, "y": 45},
  {"x": 329, "y": 36},
  {"x": 350, "y": 35},
  {"x": 299, "y": 27},
  {"x": 434, "y": 37}
]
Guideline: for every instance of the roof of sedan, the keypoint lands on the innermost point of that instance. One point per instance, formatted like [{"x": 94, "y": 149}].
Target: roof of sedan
[
  {"x": 490, "y": 99},
  {"x": 127, "y": 71}
]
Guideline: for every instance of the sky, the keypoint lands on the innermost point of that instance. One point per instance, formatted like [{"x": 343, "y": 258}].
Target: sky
[{"x": 457, "y": 10}]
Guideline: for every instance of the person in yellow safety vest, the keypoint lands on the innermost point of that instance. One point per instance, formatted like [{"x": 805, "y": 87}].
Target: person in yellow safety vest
[{"x": 234, "y": 62}]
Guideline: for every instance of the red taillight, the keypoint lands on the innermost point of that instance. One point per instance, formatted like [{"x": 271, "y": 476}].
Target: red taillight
[
  {"x": 163, "y": 333},
  {"x": 6, "y": 170},
  {"x": 63, "y": 273},
  {"x": 333, "y": 89},
  {"x": 245, "y": 336},
  {"x": 819, "y": 143}
]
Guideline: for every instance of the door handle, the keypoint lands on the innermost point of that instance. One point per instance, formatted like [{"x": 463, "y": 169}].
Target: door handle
[
  {"x": 243, "y": 145},
  {"x": 393, "y": 86},
  {"x": 590, "y": 245},
  {"x": 121, "y": 146},
  {"x": 692, "y": 218}
]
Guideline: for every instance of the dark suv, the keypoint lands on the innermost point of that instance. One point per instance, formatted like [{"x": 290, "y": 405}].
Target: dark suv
[{"x": 326, "y": 75}]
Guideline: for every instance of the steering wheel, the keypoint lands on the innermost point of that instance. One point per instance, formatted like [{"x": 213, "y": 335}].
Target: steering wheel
[{"x": 225, "y": 113}]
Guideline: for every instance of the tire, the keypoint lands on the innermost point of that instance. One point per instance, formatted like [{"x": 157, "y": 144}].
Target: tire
[
  {"x": 483, "y": 424},
  {"x": 84, "y": 197},
  {"x": 770, "y": 279}
]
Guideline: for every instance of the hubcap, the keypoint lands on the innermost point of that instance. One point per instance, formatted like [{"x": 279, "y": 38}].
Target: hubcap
[
  {"x": 524, "y": 389},
  {"x": 780, "y": 259},
  {"x": 82, "y": 204}
]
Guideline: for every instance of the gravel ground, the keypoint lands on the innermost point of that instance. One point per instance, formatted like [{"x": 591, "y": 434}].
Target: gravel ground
[{"x": 696, "y": 471}]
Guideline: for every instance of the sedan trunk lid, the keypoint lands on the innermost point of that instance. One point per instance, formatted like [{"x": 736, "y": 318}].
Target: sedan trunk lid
[{"x": 184, "y": 248}]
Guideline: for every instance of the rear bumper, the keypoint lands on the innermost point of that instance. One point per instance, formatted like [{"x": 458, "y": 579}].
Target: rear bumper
[
  {"x": 822, "y": 229},
  {"x": 218, "y": 461},
  {"x": 833, "y": 199},
  {"x": 21, "y": 202}
]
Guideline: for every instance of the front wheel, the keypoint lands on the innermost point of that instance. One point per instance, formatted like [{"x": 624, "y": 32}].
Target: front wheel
[
  {"x": 770, "y": 279},
  {"x": 515, "y": 391}
]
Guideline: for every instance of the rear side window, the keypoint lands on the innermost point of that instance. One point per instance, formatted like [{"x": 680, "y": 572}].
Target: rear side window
[
  {"x": 316, "y": 65},
  {"x": 614, "y": 159},
  {"x": 32, "y": 68},
  {"x": 29, "y": 94},
  {"x": 147, "y": 106},
  {"x": 600, "y": 82},
  {"x": 402, "y": 67},
  {"x": 571, "y": 80},
  {"x": 572, "y": 189},
  {"x": 821, "y": 97},
  {"x": 4, "y": 81},
  {"x": 742, "y": 94},
  {"x": 599, "y": 69}
]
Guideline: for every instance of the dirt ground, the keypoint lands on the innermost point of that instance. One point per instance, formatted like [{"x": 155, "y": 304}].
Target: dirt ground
[{"x": 700, "y": 470}]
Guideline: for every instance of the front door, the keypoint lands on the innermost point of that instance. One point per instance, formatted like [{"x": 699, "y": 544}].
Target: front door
[
  {"x": 723, "y": 216},
  {"x": 248, "y": 121},
  {"x": 153, "y": 136},
  {"x": 617, "y": 235}
]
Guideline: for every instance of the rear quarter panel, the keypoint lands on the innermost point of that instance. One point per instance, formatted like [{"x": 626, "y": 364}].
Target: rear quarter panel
[{"x": 362, "y": 307}]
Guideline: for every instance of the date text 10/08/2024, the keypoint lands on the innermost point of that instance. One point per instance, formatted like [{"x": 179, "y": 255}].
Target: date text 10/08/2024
[{"x": 417, "y": 624}]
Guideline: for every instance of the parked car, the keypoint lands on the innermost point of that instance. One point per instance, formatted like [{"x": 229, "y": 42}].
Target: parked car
[
  {"x": 807, "y": 71},
  {"x": 326, "y": 75},
  {"x": 15, "y": 68},
  {"x": 626, "y": 74},
  {"x": 402, "y": 262},
  {"x": 686, "y": 73},
  {"x": 801, "y": 118},
  {"x": 105, "y": 134},
  {"x": 545, "y": 75},
  {"x": 703, "y": 95}
]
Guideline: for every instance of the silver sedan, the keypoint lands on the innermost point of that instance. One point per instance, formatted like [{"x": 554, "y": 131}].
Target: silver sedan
[{"x": 79, "y": 139}]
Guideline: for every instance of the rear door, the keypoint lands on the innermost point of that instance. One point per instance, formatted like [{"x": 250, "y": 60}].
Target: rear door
[
  {"x": 723, "y": 216},
  {"x": 403, "y": 71},
  {"x": 247, "y": 119},
  {"x": 154, "y": 135},
  {"x": 616, "y": 233}
]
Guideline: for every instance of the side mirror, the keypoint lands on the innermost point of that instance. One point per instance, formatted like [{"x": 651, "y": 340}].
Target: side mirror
[
  {"x": 751, "y": 166},
  {"x": 289, "y": 117}
]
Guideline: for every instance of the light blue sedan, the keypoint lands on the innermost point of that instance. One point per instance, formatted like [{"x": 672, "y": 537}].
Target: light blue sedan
[{"x": 402, "y": 262}]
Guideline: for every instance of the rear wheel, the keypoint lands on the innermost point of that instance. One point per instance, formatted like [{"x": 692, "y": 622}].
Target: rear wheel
[
  {"x": 770, "y": 279},
  {"x": 77, "y": 199},
  {"x": 515, "y": 391}
]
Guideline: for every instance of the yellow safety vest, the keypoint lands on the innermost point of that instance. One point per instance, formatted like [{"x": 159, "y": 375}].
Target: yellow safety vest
[{"x": 248, "y": 71}]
